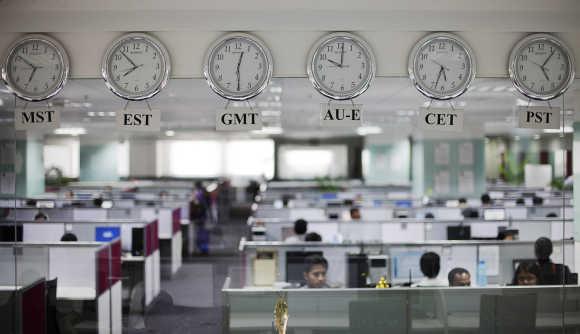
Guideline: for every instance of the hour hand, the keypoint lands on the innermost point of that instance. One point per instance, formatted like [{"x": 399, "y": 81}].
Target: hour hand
[
  {"x": 26, "y": 61},
  {"x": 334, "y": 62}
]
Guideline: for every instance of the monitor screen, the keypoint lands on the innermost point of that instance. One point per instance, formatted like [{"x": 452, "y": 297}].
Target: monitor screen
[
  {"x": 494, "y": 214},
  {"x": 458, "y": 232},
  {"x": 10, "y": 233},
  {"x": 107, "y": 233},
  {"x": 405, "y": 263},
  {"x": 295, "y": 265}
]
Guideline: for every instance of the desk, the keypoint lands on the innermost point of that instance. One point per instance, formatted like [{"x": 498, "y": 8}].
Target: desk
[{"x": 75, "y": 293}]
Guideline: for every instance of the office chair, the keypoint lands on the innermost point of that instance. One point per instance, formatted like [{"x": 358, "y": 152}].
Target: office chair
[{"x": 51, "y": 312}]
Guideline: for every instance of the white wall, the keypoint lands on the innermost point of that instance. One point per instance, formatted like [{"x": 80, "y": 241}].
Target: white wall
[{"x": 62, "y": 153}]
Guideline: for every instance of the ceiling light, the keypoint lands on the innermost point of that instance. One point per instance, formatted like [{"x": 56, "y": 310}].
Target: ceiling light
[
  {"x": 112, "y": 113},
  {"x": 276, "y": 89},
  {"x": 368, "y": 130},
  {"x": 170, "y": 133},
  {"x": 91, "y": 114},
  {"x": 536, "y": 136},
  {"x": 70, "y": 131},
  {"x": 271, "y": 113},
  {"x": 269, "y": 130},
  {"x": 101, "y": 113},
  {"x": 566, "y": 129}
]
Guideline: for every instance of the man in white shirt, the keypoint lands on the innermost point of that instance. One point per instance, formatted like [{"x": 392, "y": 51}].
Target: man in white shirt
[
  {"x": 430, "y": 265},
  {"x": 300, "y": 228}
]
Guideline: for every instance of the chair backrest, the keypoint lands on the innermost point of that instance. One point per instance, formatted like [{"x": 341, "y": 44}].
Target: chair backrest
[{"x": 507, "y": 314}]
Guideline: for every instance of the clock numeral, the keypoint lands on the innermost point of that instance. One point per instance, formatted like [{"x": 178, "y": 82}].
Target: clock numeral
[
  {"x": 220, "y": 77},
  {"x": 542, "y": 89},
  {"x": 136, "y": 46},
  {"x": 115, "y": 67},
  {"x": 462, "y": 66},
  {"x": 249, "y": 48},
  {"x": 431, "y": 48},
  {"x": 46, "y": 86},
  {"x": 158, "y": 65},
  {"x": 154, "y": 76},
  {"x": 524, "y": 77},
  {"x": 249, "y": 85},
  {"x": 126, "y": 84},
  {"x": 541, "y": 46},
  {"x": 421, "y": 66},
  {"x": 352, "y": 84},
  {"x": 228, "y": 48},
  {"x": 424, "y": 56},
  {"x": 154, "y": 55},
  {"x": 340, "y": 46},
  {"x": 35, "y": 88},
  {"x": 461, "y": 77},
  {"x": 125, "y": 48},
  {"x": 228, "y": 84},
  {"x": 331, "y": 84},
  {"x": 551, "y": 49},
  {"x": 323, "y": 56},
  {"x": 359, "y": 55},
  {"x": 558, "y": 55},
  {"x": 136, "y": 88},
  {"x": 521, "y": 67},
  {"x": 57, "y": 66},
  {"x": 453, "y": 84},
  {"x": 553, "y": 85},
  {"x": 442, "y": 88},
  {"x": 53, "y": 78},
  {"x": 424, "y": 77},
  {"x": 257, "y": 77},
  {"x": 118, "y": 78},
  {"x": 117, "y": 57},
  {"x": 329, "y": 48},
  {"x": 342, "y": 88},
  {"x": 25, "y": 51},
  {"x": 351, "y": 47},
  {"x": 441, "y": 45},
  {"x": 217, "y": 67},
  {"x": 53, "y": 56},
  {"x": 360, "y": 76},
  {"x": 452, "y": 48},
  {"x": 323, "y": 77},
  {"x": 524, "y": 57},
  {"x": 146, "y": 47},
  {"x": 257, "y": 55},
  {"x": 35, "y": 46},
  {"x": 530, "y": 49},
  {"x": 17, "y": 79},
  {"x": 238, "y": 45},
  {"x": 260, "y": 66},
  {"x": 559, "y": 77},
  {"x": 320, "y": 67},
  {"x": 220, "y": 56},
  {"x": 45, "y": 49},
  {"x": 363, "y": 65},
  {"x": 147, "y": 85},
  {"x": 533, "y": 84},
  {"x": 562, "y": 66}
]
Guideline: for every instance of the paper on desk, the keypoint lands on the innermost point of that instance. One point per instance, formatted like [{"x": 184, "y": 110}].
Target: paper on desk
[
  {"x": 490, "y": 254},
  {"x": 8, "y": 183}
]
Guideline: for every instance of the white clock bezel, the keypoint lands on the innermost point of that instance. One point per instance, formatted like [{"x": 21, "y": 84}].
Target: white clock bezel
[
  {"x": 314, "y": 51},
  {"x": 163, "y": 53},
  {"x": 255, "y": 91},
  {"x": 513, "y": 71},
  {"x": 468, "y": 52},
  {"x": 64, "y": 71}
]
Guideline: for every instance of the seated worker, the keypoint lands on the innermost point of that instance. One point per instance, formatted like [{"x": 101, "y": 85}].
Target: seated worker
[
  {"x": 312, "y": 236},
  {"x": 430, "y": 264},
  {"x": 459, "y": 277},
  {"x": 508, "y": 235},
  {"x": 40, "y": 217},
  {"x": 69, "y": 237},
  {"x": 550, "y": 273},
  {"x": 300, "y": 228},
  {"x": 315, "y": 268},
  {"x": 354, "y": 214},
  {"x": 466, "y": 211},
  {"x": 486, "y": 200},
  {"x": 526, "y": 274},
  {"x": 520, "y": 202},
  {"x": 537, "y": 201}
]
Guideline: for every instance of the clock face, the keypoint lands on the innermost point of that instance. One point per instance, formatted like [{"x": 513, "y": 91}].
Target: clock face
[
  {"x": 238, "y": 67},
  {"x": 36, "y": 68},
  {"x": 441, "y": 66},
  {"x": 541, "y": 67},
  {"x": 136, "y": 67},
  {"x": 341, "y": 66}
]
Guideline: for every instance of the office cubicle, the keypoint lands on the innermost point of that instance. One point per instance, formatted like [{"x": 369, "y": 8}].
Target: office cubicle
[
  {"x": 83, "y": 279},
  {"x": 406, "y": 310}
]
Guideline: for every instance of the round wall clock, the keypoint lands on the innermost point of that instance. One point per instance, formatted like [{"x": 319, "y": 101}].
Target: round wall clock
[
  {"x": 441, "y": 66},
  {"x": 35, "y": 68},
  {"x": 136, "y": 66},
  {"x": 541, "y": 67},
  {"x": 238, "y": 66},
  {"x": 341, "y": 66}
]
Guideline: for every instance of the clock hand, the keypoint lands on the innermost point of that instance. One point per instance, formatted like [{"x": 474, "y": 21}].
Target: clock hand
[
  {"x": 545, "y": 74},
  {"x": 26, "y": 61},
  {"x": 341, "y": 55},
  {"x": 238, "y": 69},
  {"x": 129, "y": 59},
  {"x": 131, "y": 70},
  {"x": 446, "y": 68},
  {"x": 334, "y": 62},
  {"x": 438, "y": 77},
  {"x": 548, "y": 59},
  {"x": 31, "y": 75},
  {"x": 444, "y": 75}
]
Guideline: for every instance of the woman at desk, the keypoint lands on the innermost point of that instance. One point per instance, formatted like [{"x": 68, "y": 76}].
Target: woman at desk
[{"x": 430, "y": 265}]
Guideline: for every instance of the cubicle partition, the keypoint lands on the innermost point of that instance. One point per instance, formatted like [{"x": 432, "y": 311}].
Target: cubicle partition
[
  {"x": 270, "y": 263},
  {"x": 406, "y": 310},
  {"x": 413, "y": 229},
  {"x": 23, "y": 308},
  {"x": 87, "y": 276}
]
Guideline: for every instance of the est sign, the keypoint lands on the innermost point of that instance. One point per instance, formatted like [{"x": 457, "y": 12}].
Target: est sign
[
  {"x": 139, "y": 120},
  {"x": 37, "y": 119},
  {"x": 539, "y": 118},
  {"x": 340, "y": 115},
  {"x": 238, "y": 119},
  {"x": 440, "y": 119}
]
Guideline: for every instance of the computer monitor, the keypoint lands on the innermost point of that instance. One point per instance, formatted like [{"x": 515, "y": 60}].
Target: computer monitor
[
  {"x": 10, "y": 233},
  {"x": 295, "y": 265},
  {"x": 494, "y": 214},
  {"x": 329, "y": 196},
  {"x": 137, "y": 241},
  {"x": 460, "y": 232},
  {"x": 405, "y": 265},
  {"x": 107, "y": 233},
  {"x": 404, "y": 203}
]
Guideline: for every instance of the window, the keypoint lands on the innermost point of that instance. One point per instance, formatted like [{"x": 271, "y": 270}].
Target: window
[{"x": 304, "y": 162}]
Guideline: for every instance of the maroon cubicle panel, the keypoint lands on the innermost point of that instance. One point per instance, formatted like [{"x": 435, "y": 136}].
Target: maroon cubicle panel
[
  {"x": 34, "y": 309},
  {"x": 155, "y": 235},
  {"x": 115, "y": 261},
  {"x": 176, "y": 220},
  {"x": 103, "y": 270}
]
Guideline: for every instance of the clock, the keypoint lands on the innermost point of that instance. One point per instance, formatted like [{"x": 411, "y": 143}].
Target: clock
[
  {"x": 341, "y": 66},
  {"x": 441, "y": 66},
  {"x": 136, "y": 66},
  {"x": 238, "y": 66},
  {"x": 35, "y": 68},
  {"x": 541, "y": 67}
]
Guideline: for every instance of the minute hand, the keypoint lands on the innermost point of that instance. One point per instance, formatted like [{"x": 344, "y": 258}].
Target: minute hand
[
  {"x": 548, "y": 59},
  {"x": 129, "y": 59}
]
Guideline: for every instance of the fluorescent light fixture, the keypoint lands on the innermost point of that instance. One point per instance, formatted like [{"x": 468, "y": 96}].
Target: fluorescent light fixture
[
  {"x": 566, "y": 129},
  {"x": 101, "y": 113},
  {"x": 112, "y": 113},
  {"x": 70, "y": 131},
  {"x": 91, "y": 114},
  {"x": 536, "y": 136},
  {"x": 368, "y": 130},
  {"x": 269, "y": 130},
  {"x": 170, "y": 133},
  {"x": 271, "y": 113}
]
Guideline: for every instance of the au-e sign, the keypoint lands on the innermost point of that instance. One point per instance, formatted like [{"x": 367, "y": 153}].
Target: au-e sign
[
  {"x": 139, "y": 120},
  {"x": 340, "y": 115},
  {"x": 238, "y": 119},
  {"x": 36, "y": 119},
  {"x": 539, "y": 118},
  {"x": 441, "y": 119}
]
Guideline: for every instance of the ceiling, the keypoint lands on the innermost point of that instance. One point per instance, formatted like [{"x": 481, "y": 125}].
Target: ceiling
[{"x": 291, "y": 104}]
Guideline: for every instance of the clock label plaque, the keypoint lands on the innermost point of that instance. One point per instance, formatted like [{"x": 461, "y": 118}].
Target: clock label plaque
[
  {"x": 539, "y": 118},
  {"x": 441, "y": 119},
  {"x": 139, "y": 120},
  {"x": 36, "y": 119},
  {"x": 240, "y": 119},
  {"x": 340, "y": 115}
]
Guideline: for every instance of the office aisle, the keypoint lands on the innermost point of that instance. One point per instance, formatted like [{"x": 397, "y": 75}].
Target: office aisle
[{"x": 191, "y": 302}]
